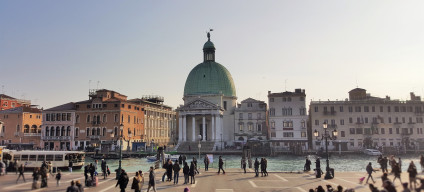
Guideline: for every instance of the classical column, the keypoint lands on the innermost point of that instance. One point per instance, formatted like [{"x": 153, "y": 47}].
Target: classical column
[
  {"x": 185, "y": 128},
  {"x": 193, "y": 125},
  {"x": 218, "y": 128},
  {"x": 204, "y": 128},
  {"x": 180, "y": 129},
  {"x": 213, "y": 128}
]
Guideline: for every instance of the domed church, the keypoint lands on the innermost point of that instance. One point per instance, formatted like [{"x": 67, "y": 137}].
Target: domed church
[{"x": 209, "y": 104}]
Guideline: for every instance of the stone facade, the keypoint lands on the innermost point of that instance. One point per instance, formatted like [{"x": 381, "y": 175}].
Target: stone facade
[
  {"x": 364, "y": 121},
  {"x": 288, "y": 120},
  {"x": 250, "y": 121}
]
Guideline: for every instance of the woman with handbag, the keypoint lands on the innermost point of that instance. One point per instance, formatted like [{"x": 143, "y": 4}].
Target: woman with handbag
[{"x": 136, "y": 184}]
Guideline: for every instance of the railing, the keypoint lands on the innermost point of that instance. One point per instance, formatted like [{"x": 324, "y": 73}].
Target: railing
[
  {"x": 56, "y": 138},
  {"x": 32, "y": 134},
  {"x": 94, "y": 137}
]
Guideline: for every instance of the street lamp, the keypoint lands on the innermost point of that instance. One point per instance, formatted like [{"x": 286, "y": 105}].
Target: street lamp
[
  {"x": 199, "y": 145},
  {"x": 327, "y": 136},
  {"x": 129, "y": 139},
  {"x": 121, "y": 128},
  {"x": 151, "y": 144}
]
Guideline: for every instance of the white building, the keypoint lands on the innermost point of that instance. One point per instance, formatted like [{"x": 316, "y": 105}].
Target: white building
[
  {"x": 58, "y": 128},
  {"x": 250, "y": 121},
  {"x": 363, "y": 121},
  {"x": 287, "y": 120}
]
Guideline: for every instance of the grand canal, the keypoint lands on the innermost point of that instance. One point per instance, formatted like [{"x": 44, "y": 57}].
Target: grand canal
[{"x": 286, "y": 163}]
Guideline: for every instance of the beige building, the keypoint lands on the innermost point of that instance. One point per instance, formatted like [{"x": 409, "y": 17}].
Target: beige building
[
  {"x": 364, "y": 121},
  {"x": 21, "y": 125}
]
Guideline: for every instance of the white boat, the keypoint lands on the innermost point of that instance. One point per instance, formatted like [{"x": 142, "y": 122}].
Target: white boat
[
  {"x": 59, "y": 159},
  {"x": 167, "y": 156},
  {"x": 373, "y": 152}
]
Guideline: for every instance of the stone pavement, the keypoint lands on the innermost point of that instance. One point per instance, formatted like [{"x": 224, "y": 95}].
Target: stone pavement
[{"x": 234, "y": 180}]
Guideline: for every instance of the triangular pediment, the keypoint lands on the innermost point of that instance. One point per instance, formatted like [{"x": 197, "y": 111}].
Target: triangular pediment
[{"x": 199, "y": 104}]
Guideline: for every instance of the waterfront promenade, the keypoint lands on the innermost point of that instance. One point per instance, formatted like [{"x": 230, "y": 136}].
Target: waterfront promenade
[{"x": 233, "y": 180}]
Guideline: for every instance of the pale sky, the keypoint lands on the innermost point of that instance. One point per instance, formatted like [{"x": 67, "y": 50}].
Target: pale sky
[{"x": 50, "y": 50}]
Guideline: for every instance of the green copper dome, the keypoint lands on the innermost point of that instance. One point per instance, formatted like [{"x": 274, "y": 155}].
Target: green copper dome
[
  {"x": 209, "y": 45},
  {"x": 209, "y": 78}
]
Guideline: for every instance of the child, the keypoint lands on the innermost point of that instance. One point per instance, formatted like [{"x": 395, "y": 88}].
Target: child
[{"x": 58, "y": 176}]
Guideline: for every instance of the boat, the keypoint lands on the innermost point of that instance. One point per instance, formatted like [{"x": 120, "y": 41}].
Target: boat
[
  {"x": 373, "y": 152},
  {"x": 167, "y": 156},
  {"x": 59, "y": 159}
]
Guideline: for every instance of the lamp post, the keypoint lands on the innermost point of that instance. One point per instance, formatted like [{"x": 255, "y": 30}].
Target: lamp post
[
  {"x": 199, "y": 145},
  {"x": 151, "y": 144},
  {"x": 121, "y": 128},
  {"x": 221, "y": 141},
  {"x": 129, "y": 140},
  {"x": 327, "y": 136}
]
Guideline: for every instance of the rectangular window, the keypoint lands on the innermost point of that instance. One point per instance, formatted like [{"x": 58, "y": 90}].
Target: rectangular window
[
  {"x": 225, "y": 105},
  {"x": 342, "y": 133},
  {"x": 390, "y": 131},
  {"x": 366, "y": 119},
  {"x": 359, "y": 131},
  {"x": 352, "y": 131},
  {"x": 358, "y": 109},
  {"x": 381, "y": 108},
  {"x": 241, "y": 127},
  {"x": 383, "y": 131},
  {"x": 341, "y": 108},
  {"x": 316, "y": 122},
  {"x": 241, "y": 116},
  {"x": 350, "y": 109},
  {"x": 58, "y": 157},
  {"x": 316, "y": 108},
  {"x": 303, "y": 134},
  {"x": 366, "y": 109},
  {"x": 273, "y": 134},
  {"x": 388, "y": 109},
  {"x": 249, "y": 116},
  {"x": 341, "y": 121},
  {"x": 288, "y": 134}
]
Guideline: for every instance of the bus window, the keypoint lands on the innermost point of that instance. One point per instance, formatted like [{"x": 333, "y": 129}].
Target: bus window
[
  {"x": 17, "y": 157},
  {"x": 58, "y": 157},
  {"x": 67, "y": 157},
  {"x": 24, "y": 158},
  {"x": 41, "y": 158},
  {"x": 32, "y": 157},
  {"x": 49, "y": 157}
]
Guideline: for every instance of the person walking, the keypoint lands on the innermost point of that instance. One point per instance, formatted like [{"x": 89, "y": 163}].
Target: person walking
[
  {"x": 164, "y": 166},
  {"x": 136, "y": 184},
  {"x": 43, "y": 173},
  {"x": 256, "y": 164},
  {"x": 72, "y": 188},
  {"x": 15, "y": 166},
  {"x": 151, "y": 180},
  {"x": 21, "y": 171},
  {"x": 70, "y": 165},
  {"x": 307, "y": 166},
  {"x": 92, "y": 170},
  {"x": 400, "y": 164},
  {"x": 318, "y": 168},
  {"x": 140, "y": 175},
  {"x": 192, "y": 172},
  {"x": 206, "y": 161},
  {"x": 103, "y": 165},
  {"x": 186, "y": 171},
  {"x": 412, "y": 170},
  {"x": 262, "y": 163},
  {"x": 243, "y": 164},
  {"x": 58, "y": 177},
  {"x": 96, "y": 163},
  {"x": 35, "y": 177},
  {"x": 195, "y": 165},
  {"x": 396, "y": 172},
  {"x": 122, "y": 180},
  {"x": 266, "y": 166},
  {"x": 180, "y": 160},
  {"x": 169, "y": 170},
  {"x": 176, "y": 169},
  {"x": 79, "y": 185},
  {"x": 384, "y": 165},
  {"x": 369, "y": 171},
  {"x": 220, "y": 165},
  {"x": 86, "y": 170},
  {"x": 421, "y": 162},
  {"x": 3, "y": 167}
]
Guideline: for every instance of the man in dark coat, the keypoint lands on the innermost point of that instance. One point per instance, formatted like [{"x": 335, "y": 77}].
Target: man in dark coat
[
  {"x": 72, "y": 188},
  {"x": 176, "y": 169},
  {"x": 206, "y": 161},
  {"x": 307, "y": 165},
  {"x": 256, "y": 167},
  {"x": 122, "y": 180},
  {"x": 220, "y": 165},
  {"x": 169, "y": 170},
  {"x": 369, "y": 171}
]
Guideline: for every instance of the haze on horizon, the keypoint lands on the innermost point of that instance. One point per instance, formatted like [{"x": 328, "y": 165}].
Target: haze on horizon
[{"x": 50, "y": 50}]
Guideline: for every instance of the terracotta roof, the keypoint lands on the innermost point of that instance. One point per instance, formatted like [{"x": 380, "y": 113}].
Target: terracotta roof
[
  {"x": 21, "y": 110},
  {"x": 64, "y": 107},
  {"x": 3, "y": 96}
]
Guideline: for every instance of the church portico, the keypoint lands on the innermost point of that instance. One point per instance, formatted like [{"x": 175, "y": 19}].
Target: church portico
[{"x": 194, "y": 121}]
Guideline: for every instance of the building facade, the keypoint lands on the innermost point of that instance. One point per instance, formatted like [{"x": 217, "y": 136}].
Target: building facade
[
  {"x": 209, "y": 104},
  {"x": 159, "y": 121},
  {"x": 8, "y": 102},
  {"x": 250, "y": 121},
  {"x": 288, "y": 120},
  {"x": 21, "y": 125},
  {"x": 364, "y": 121},
  {"x": 98, "y": 120},
  {"x": 58, "y": 128}
]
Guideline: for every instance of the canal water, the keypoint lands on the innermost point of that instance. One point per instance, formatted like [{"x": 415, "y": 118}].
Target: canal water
[{"x": 343, "y": 163}]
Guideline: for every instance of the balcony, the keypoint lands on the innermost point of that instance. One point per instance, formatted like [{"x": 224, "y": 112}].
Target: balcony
[
  {"x": 94, "y": 137},
  {"x": 56, "y": 138},
  {"x": 329, "y": 113},
  {"x": 32, "y": 134}
]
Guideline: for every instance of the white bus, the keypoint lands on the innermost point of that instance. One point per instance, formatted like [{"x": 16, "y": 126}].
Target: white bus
[{"x": 59, "y": 159}]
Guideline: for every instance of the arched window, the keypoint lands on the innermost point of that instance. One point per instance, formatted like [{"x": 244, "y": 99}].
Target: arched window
[
  {"x": 104, "y": 118},
  {"x": 34, "y": 129},
  {"x": 93, "y": 131},
  {"x": 39, "y": 129},
  {"x": 259, "y": 127},
  {"x": 63, "y": 131},
  {"x": 88, "y": 118},
  {"x": 68, "y": 131},
  {"x": 76, "y": 132},
  {"x": 77, "y": 119},
  {"x": 104, "y": 131},
  {"x": 47, "y": 131},
  {"x": 57, "y": 131},
  {"x": 98, "y": 131},
  {"x": 98, "y": 119},
  {"x": 241, "y": 139},
  {"x": 26, "y": 129},
  {"x": 52, "y": 131},
  {"x": 116, "y": 132}
]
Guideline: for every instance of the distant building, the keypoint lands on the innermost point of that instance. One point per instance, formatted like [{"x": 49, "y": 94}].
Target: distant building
[
  {"x": 58, "y": 128},
  {"x": 250, "y": 121},
  {"x": 364, "y": 121},
  {"x": 288, "y": 120},
  {"x": 21, "y": 125},
  {"x": 8, "y": 102},
  {"x": 159, "y": 121},
  {"x": 98, "y": 120}
]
